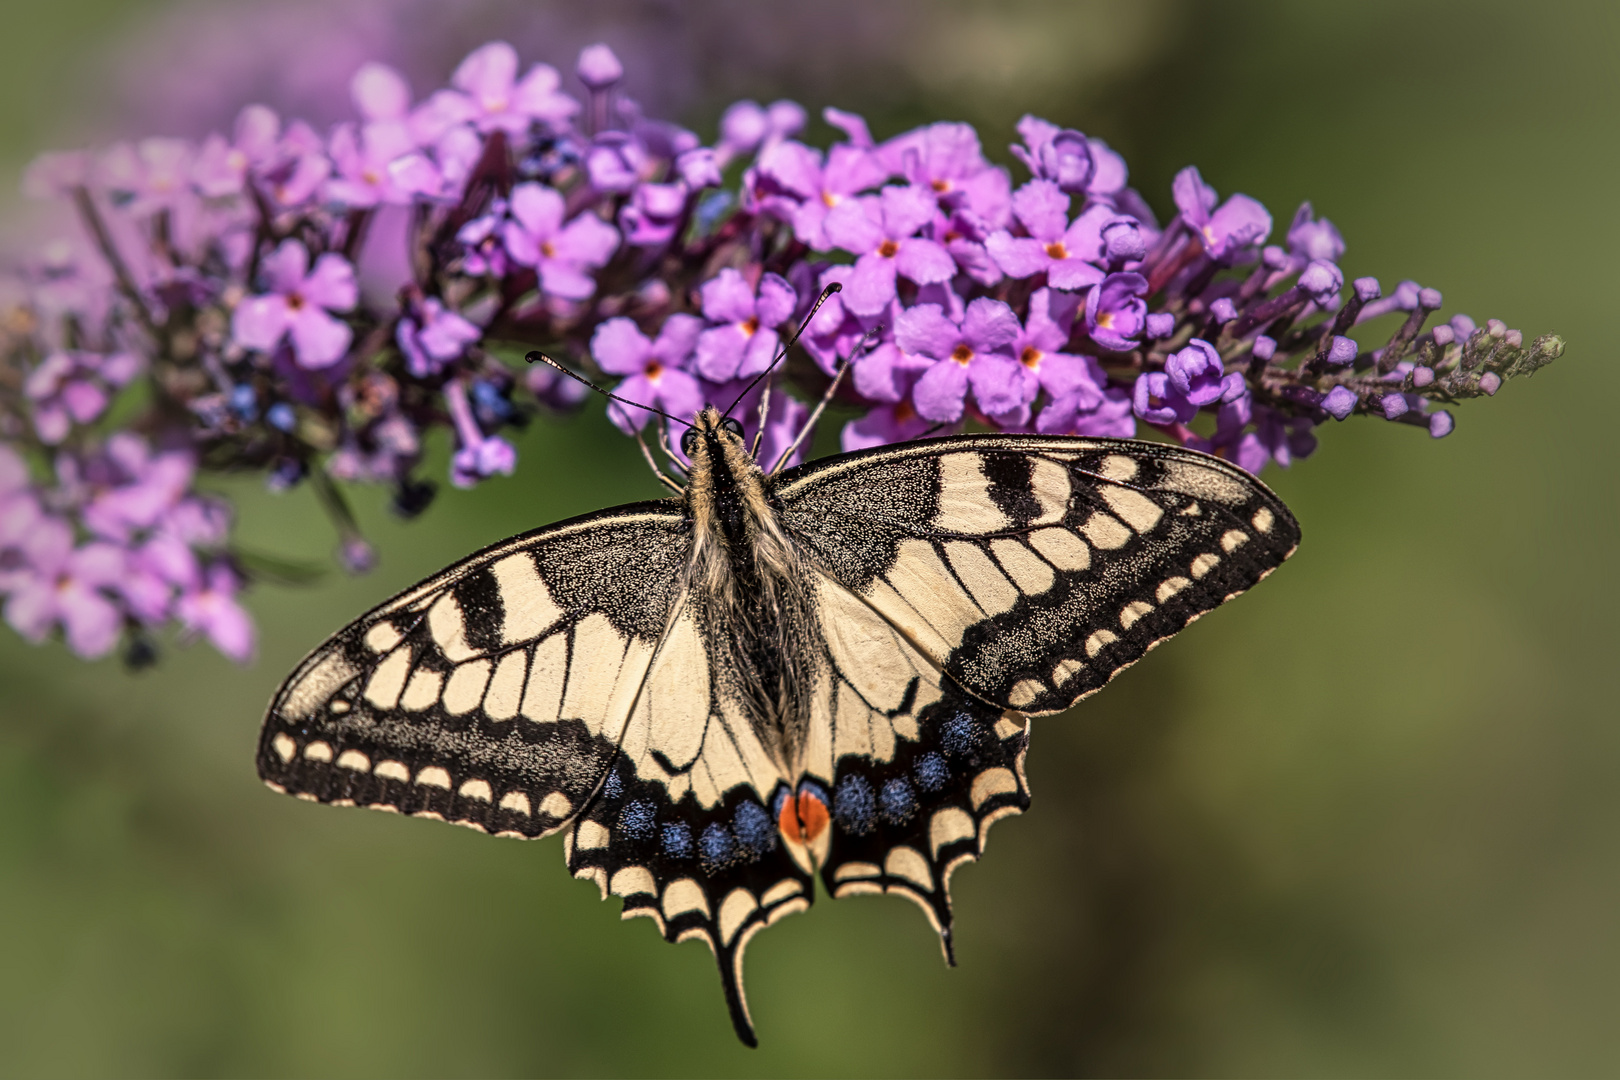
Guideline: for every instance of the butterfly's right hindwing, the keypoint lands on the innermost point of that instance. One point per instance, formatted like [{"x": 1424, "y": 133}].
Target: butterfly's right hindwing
[{"x": 494, "y": 694}]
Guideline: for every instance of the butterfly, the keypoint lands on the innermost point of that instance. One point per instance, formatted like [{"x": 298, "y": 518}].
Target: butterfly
[{"x": 826, "y": 670}]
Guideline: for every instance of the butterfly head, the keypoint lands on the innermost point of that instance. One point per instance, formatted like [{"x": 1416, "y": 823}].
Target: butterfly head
[{"x": 713, "y": 437}]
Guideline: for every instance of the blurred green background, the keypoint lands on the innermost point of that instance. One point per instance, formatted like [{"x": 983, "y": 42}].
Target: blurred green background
[{"x": 1364, "y": 821}]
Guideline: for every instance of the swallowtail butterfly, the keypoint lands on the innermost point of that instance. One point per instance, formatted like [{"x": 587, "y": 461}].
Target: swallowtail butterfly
[{"x": 825, "y": 671}]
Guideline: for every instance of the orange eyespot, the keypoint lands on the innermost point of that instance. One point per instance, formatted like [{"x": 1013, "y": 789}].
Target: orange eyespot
[{"x": 803, "y": 817}]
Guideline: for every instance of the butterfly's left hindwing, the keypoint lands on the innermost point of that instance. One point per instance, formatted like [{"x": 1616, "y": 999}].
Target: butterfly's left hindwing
[
  {"x": 1033, "y": 569},
  {"x": 493, "y": 694}
]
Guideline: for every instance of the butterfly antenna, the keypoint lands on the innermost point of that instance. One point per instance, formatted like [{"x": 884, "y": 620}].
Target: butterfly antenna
[
  {"x": 542, "y": 358},
  {"x": 867, "y": 344},
  {"x": 826, "y": 294}
]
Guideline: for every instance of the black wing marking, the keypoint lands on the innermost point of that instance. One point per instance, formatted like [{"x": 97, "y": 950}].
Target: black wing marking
[
  {"x": 916, "y": 771},
  {"x": 494, "y": 694},
  {"x": 683, "y": 827},
  {"x": 1033, "y": 569}
]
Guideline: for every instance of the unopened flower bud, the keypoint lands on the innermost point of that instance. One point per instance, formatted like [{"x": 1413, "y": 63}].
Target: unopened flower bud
[
  {"x": 598, "y": 68},
  {"x": 1339, "y": 403}
]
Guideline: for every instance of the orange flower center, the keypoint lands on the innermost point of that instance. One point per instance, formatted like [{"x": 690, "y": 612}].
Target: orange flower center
[
  {"x": 1031, "y": 357},
  {"x": 940, "y": 186},
  {"x": 750, "y": 327},
  {"x": 546, "y": 249},
  {"x": 962, "y": 355},
  {"x": 888, "y": 249},
  {"x": 295, "y": 300},
  {"x": 830, "y": 200},
  {"x": 1057, "y": 250},
  {"x": 654, "y": 371},
  {"x": 1106, "y": 320}
]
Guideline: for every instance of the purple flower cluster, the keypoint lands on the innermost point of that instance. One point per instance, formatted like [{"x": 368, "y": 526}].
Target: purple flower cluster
[{"x": 310, "y": 305}]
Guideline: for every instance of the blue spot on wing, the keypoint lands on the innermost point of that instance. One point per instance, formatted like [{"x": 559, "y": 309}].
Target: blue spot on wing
[
  {"x": 638, "y": 820},
  {"x": 931, "y": 771},
  {"x": 678, "y": 840},
  {"x": 853, "y": 805},
  {"x": 716, "y": 847},
  {"x": 754, "y": 830},
  {"x": 958, "y": 735},
  {"x": 897, "y": 802}
]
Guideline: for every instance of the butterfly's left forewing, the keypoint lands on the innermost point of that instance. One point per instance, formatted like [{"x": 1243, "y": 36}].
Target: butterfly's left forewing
[{"x": 495, "y": 693}]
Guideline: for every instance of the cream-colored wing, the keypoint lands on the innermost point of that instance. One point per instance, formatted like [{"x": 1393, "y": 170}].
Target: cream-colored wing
[
  {"x": 684, "y": 827},
  {"x": 493, "y": 694},
  {"x": 1032, "y": 569}
]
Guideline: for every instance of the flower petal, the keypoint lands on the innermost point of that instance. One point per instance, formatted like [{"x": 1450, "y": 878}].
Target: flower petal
[
  {"x": 925, "y": 261},
  {"x": 871, "y": 286},
  {"x": 318, "y": 339},
  {"x": 719, "y": 353},
  {"x": 259, "y": 321},
  {"x": 619, "y": 347},
  {"x": 940, "y": 391},
  {"x": 1018, "y": 256},
  {"x": 488, "y": 71},
  {"x": 331, "y": 284},
  {"x": 777, "y": 299}
]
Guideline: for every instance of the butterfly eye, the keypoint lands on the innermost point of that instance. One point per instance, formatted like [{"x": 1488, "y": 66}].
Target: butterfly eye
[
  {"x": 733, "y": 425},
  {"x": 689, "y": 441}
]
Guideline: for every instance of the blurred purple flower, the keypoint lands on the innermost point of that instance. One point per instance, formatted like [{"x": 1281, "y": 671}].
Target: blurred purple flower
[
  {"x": 378, "y": 163},
  {"x": 598, "y": 68},
  {"x": 70, "y": 388},
  {"x": 747, "y": 126},
  {"x": 654, "y": 214},
  {"x": 1310, "y": 237},
  {"x": 478, "y": 456},
  {"x": 211, "y": 610},
  {"x": 66, "y": 587},
  {"x": 221, "y": 168},
  {"x": 433, "y": 336},
  {"x": 298, "y": 304},
  {"x": 489, "y": 96}
]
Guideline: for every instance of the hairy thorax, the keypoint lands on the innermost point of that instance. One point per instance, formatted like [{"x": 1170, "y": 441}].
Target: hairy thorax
[{"x": 748, "y": 585}]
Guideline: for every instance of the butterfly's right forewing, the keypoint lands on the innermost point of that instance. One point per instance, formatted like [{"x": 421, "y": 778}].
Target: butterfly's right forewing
[
  {"x": 494, "y": 694},
  {"x": 1032, "y": 569}
]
